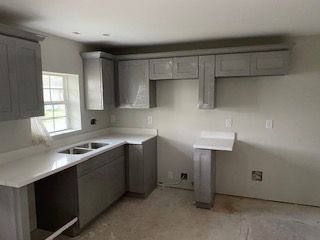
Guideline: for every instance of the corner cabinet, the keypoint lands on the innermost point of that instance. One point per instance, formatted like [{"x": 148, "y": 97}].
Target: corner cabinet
[
  {"x": 21, "y": 94},
  {"x": 98, "y": 70},
  {"x": 135, "y": 89}
]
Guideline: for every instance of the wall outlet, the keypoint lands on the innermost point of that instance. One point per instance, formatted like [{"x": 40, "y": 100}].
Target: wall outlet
[
  {"x": 256, "y": 176},
  {"x": 269, "y": 124},
  {"x": 170, "y": 175},
  {"x": 229, "y": 123},
  {"x": 149, "y": 120},
  {"x": 184, "y": 176},
  {"x": 113, "y": 118}
]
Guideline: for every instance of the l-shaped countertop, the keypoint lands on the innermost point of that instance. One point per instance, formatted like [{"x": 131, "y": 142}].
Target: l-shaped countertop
[{"x": 21, "y": 172}]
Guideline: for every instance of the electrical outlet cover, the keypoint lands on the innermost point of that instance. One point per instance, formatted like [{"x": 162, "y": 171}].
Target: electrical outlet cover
[
  {"x": 256, "y": 176},
  {"x": 229, "y": 123},
  {"x": 149, "y": 120},
  {"x": 170, "y": 175}
]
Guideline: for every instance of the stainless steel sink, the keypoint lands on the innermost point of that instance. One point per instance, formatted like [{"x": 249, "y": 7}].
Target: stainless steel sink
[
  {"x": 92, "y": 145},
  {"x": 75, "y": 150},
  {"x": 84, "y": 148}
]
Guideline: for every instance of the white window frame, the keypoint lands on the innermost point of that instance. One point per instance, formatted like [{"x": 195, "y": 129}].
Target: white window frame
[{"x": 53, "y": 103}]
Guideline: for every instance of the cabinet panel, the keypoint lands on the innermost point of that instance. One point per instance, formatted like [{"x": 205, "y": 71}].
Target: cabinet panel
[
  {"x": 135, "y": 172},
  {"x": 8, "y": 85},
  {"x": 99, "y": 189},
  {"x": 206, "y": 82},
  {"x": 161, "y": 68},
  {"x": 232, "y": 65},
  {"x": 185, "y": 67},
  {"x": 29, "y": 76},
  {"x": 269, "y": 63},
  {"x": 99, "y": 83},
  {"x": 135, "y": 91},
  {"x": 108, "y": 83}
]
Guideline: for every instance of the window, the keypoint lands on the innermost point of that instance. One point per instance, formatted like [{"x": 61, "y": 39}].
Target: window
[{"x": 56, "y": 105}]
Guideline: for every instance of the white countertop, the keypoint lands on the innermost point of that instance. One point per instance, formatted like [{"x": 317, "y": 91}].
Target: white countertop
[
  {"x": 215, "y": 141},
  {"x": 21, "y": 172}
]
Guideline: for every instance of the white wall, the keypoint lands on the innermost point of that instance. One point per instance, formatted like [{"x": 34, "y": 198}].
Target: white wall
[
  {"x": 288, "y": 155},
  {"x": 62, "y": 56}
]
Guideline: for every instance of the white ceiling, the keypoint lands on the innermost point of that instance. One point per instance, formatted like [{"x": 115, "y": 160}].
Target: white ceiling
[{"x": 144, "y": 22}]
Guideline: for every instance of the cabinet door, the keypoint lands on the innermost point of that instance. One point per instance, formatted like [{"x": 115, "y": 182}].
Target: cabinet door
[
  {"x": 161, "y": 69},
  {"x": 29, "y": 76},
  {"x": 108, "y": 83},
  {"x": 134, "y": 84},
  {"x": 233, "y": 65},
  {"x": 8, "y": 85},
  {"x": 99, "y": 189},
  {"x": 269, "y": 63},
  {"x": 206, "y": 82},
  {"x": 185, "y": 67},
  {"x": 135, "y": 169}
]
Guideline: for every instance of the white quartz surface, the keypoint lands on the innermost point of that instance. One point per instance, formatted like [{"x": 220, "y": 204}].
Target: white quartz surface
[
  {"x": 215, "y": 141},
  {"x": 23, "y": 171}
]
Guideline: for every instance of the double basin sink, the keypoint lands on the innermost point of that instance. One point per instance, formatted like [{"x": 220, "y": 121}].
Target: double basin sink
[{"x": 84, "y": 148}]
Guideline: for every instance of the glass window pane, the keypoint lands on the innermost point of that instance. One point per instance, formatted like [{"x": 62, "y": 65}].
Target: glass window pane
[
  {"x": 59, "y": 110},
  {"x": 60, "y": 124},
  {"x": 46, "y": 95},
  {"x": 48, "y": 111},
  {"x": 48, "y": 123},
  {"x": 56, "y": 82},
  {"x": 45, "y": 80},
  {"x": 57, "y": 95}
]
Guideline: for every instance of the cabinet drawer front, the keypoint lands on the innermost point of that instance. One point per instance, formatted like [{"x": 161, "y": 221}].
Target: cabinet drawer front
[
  {"x": 269, "y": 63},
  {"x": 98, "y": 161},
  {"x": 160, "y": 68},
  {"x": 185, "y": 67},
  {"x": 233, "y": 65}
]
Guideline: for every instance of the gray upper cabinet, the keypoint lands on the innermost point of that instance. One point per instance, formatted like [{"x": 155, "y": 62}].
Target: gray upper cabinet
[
  {"x": 229, "y": 65},
  {"x": 185, "y": 67},
  {"x": 135, "y": 89},
  {"x": 98, "y": 81},
  {"x": 21, "y": 94},
  {"x": 161, "y": 68},
  {"x": 29, "y": 77},
  {"x": 252, "y": 64},
  {"x": 9, "y": 106},
  {"x": 206, "y": 82},
  {"x": 269, "y": 63}
]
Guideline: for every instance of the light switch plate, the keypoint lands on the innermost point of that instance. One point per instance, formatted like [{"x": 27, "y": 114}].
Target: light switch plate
[
  {"x": 149, "y": 120},
  {"x": 113, "y": 118},
  {"x": 269, "y": 124},
  {"x": 229, "y": 123}
]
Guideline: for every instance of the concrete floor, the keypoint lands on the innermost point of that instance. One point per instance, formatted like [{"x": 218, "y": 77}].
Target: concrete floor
[{"x": 170, "y": 214}]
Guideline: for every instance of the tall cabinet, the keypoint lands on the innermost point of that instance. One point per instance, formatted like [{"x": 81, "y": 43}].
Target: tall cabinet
[{"x": 21, "y": 93}]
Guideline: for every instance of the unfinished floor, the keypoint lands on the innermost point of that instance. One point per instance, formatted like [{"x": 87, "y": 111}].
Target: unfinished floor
[{"x": 170, "y": 214}]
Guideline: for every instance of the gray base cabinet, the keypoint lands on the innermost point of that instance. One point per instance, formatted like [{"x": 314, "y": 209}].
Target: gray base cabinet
[
  {"x": 204, "y": 177},
  {"x": 141, "y": 168},
  {"x": 83, "y": 191}
]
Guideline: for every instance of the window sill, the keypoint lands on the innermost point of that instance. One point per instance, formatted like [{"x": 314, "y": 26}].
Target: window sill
[{"x": 64, "y": 133}]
